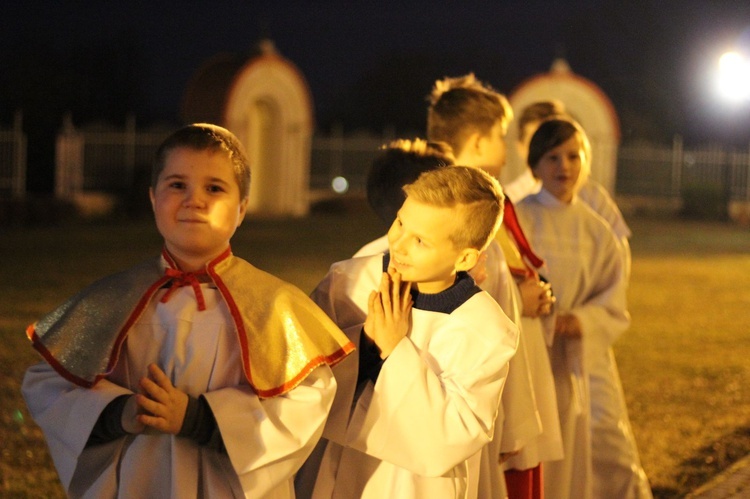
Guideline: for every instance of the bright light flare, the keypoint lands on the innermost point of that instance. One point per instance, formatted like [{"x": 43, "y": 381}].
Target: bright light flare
[
  {"x": 734, "y": 77},
  {"x": 340, "y": 185}
]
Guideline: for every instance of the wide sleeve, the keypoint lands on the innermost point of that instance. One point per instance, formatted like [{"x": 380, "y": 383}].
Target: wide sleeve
[
  {"x": 603, "y": 314},
  {"x": 267, "y": 440},
  {"x": 66, "y": 413},
  {"x": 430, "y": 411}
]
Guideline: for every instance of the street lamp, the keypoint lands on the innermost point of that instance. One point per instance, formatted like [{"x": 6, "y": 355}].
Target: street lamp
[{"x": 733, "y": 81}]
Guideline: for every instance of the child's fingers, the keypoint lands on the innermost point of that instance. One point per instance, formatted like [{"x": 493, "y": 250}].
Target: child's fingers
[
  {"x": 385, "y": 294},
  {"x": 396, "y": 290},
  {"x": 150, "y": 406},
  {"x": 153, "y": 421},
  {"x": 406, "y": 295},
  {"x": 159, "y": 377},
  {"x": 153, "y": 391},
  {"x": 371, "y": 302}
]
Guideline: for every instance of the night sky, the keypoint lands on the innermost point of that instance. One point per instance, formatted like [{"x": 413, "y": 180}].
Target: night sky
[{"x": 371, "y": 66}]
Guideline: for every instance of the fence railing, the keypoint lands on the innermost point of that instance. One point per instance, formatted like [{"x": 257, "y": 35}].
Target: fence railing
[
  {"x": 110, "y": 160},
  {"x": 658, "y": 171},
  {"x": 103, "y": 160},
  {"x": 13, "y": 160}
]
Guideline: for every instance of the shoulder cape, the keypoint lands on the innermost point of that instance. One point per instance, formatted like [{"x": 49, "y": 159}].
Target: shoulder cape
[{"x": 282, "y": 334}]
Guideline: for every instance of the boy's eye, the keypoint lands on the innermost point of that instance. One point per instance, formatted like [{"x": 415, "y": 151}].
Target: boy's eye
[
  {"x": 215, "y": 188},
  {"x": 176, "y": 185}
]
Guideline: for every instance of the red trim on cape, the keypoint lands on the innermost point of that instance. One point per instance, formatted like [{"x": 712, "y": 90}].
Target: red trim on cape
[
  {"x": 142, "y": 303},
  {"x": 242, "y": 337},
  {"x": 116, "y": 348}
]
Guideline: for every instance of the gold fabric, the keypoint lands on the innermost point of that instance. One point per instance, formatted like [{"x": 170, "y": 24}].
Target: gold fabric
[
  {"x": 283, "y": 335},
  {"x": 512, "y": 255}
]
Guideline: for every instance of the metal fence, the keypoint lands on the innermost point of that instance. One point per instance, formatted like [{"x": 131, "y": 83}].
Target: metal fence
[
  {"x": 107, "y": 160},
  {"x": 103, "y": 159},
  {"x": 659, "y": 171},
  {"x": 13, "y": 160}
]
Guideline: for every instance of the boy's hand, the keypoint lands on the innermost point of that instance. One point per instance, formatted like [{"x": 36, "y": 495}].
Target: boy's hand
[
  {"x": 568, "y": 326},
  {"x": 536, "y": 296},
  {"x": 388, "y": 312},
  {"x": 165, "y": 404}
]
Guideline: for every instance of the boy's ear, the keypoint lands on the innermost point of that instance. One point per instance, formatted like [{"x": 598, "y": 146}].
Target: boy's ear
[
  {"x": 474, "y": 143},
  {"x": 243, "y": 211},
  {"x": 467, "y": 259},
  {"x": 151, "y": 197}
]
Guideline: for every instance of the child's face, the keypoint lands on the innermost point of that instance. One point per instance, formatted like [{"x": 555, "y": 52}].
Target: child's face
[
  {"x": 197, "y": 205},
  {"x": 420, "y": 246},
  {"x": 560, "y": 168},
  {"x": 493, "y": 149}
]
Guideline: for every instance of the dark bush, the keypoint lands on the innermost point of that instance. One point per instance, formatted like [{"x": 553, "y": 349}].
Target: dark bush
[{"x": 704, "y": 202}]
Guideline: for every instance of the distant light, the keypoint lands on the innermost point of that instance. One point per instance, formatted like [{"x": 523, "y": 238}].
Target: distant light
[
  {"x": 340, "y": 185},
  {"x": 734, "y": 77}
]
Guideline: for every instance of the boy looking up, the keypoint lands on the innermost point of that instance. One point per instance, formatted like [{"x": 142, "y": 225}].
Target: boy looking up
[
  {"x": 419, "y": 401},
  {"x": 193, "y": 374}
]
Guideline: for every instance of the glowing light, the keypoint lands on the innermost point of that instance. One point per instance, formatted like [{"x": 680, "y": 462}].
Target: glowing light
[
  {"x": 734, "y": 77},
  {"x": 340, "y": 185}
]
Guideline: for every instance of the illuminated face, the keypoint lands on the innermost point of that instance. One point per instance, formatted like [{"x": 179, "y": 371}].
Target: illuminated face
[
  {"x": 197, "y": 205},
  {"x": 560, "y": 168},
  {"x": 492, "y": 149},
  {"x": 420, "y": 245}
]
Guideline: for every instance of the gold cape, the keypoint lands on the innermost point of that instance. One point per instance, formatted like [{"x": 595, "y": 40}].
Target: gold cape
[{"x": 282, "y": 334}]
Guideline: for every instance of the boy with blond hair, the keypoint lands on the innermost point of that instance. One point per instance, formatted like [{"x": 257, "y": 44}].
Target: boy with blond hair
[
  {"x": 193, "y": 374},
  {"x": 473, "y": 118},
  {"x": 418, "y": 403}
]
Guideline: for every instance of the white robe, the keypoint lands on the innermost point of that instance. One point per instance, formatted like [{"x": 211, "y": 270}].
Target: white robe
[
  {"x": 519, "y": 426},
  {"x": 586, "y": 269},
  {"x": 418, "y": 431},
  {"x": 266, "y": 440},
  {"x": 593, "y": 194}
]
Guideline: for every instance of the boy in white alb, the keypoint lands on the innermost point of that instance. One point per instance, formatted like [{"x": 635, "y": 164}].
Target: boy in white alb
[
  {"x": 418, "y": 403},
  {"x": 194, "y": 374}
]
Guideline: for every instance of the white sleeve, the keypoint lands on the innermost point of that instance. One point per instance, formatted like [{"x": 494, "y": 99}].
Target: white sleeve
[
  {"x": 269, "y": 439},
  {"x": 66, "y": 413},
  {"x": 604, "y": 315},
  {"x": 429, "y": 422}
]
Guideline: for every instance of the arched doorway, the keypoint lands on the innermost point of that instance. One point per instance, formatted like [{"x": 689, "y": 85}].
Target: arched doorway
[{"x": 268, "y": 107}]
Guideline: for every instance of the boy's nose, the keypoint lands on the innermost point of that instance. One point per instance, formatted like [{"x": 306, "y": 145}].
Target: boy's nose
[
  {"x": 193, "y": 197},
  {"x": 398, "y": 243}
]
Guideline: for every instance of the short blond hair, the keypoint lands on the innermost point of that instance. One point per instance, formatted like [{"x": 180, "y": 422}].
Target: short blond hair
[
  {"x": 475, "y": 194},
  {"x": 462, "y": 106}
]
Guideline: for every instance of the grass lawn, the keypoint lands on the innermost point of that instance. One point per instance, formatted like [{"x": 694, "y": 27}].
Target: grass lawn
[{"x": 683, "y": 363}]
